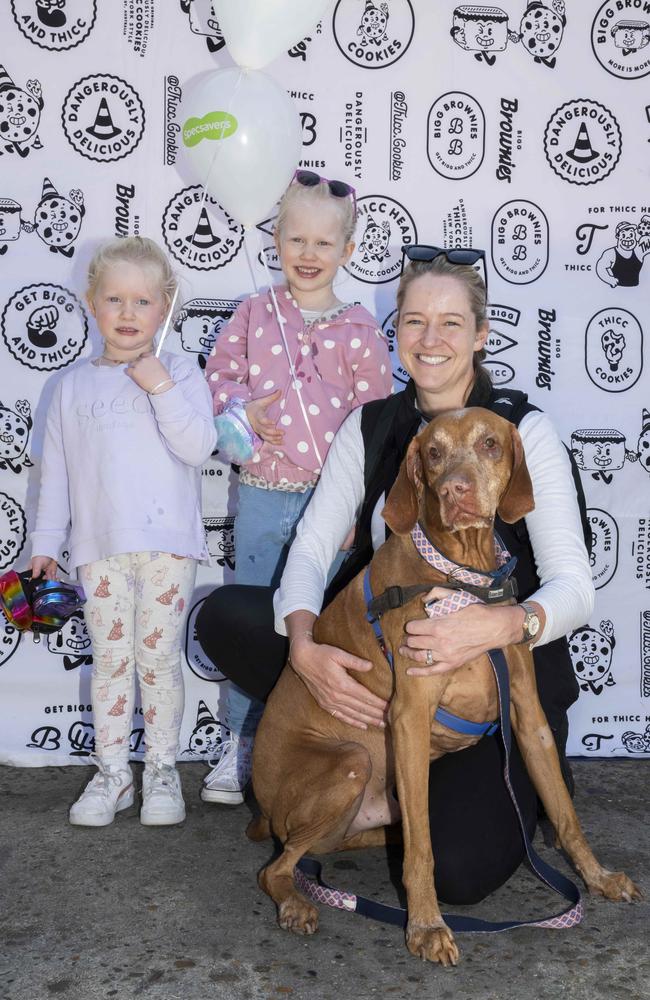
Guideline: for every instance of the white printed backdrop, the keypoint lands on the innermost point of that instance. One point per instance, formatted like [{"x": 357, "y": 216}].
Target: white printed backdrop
[{"x": 522, "y": 128}]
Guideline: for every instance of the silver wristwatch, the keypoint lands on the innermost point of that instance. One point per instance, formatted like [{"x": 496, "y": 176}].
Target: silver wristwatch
[{"x": 531, "y": 624}]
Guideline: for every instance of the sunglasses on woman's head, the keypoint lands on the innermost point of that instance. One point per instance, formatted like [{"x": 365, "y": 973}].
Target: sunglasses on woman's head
[
  {"x": 338, "y": 189},
  {"x": 456, "y": 255}
]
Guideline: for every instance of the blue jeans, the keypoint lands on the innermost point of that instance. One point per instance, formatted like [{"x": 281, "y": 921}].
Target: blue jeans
[{"x": 265, "y": 527}]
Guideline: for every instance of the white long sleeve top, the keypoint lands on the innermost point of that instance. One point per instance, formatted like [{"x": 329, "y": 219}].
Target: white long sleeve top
[
  {"x": 566, "y": 592},
  {"x": 121, "y": 470}
]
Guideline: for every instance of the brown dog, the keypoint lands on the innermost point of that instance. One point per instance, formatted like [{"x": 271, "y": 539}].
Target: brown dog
[{"x": 316, "y": 779}]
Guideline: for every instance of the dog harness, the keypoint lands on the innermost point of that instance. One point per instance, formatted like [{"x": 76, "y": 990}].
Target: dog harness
[{"x": 468, "y": 587}]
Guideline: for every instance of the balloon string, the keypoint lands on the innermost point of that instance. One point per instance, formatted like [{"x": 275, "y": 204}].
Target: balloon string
[
  {"x": 204, "y": 196},
  {"x": 295, "y": 380}
]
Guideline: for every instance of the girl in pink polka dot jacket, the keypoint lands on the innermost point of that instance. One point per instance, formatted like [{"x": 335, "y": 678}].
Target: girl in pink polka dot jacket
[{"x": 340, "y": 360}]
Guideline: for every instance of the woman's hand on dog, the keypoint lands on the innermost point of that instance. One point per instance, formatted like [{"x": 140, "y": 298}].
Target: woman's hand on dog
[
  {"x": 324, "y": 670},
  {"x": 456, "y": 638}
]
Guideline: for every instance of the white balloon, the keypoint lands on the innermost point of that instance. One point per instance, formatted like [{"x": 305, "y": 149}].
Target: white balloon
[
  {"x": 258, "y": 31},
  {"x": 242, "y": 135}
]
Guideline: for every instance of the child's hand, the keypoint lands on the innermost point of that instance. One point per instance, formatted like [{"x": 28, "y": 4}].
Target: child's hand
[
  {"x": 257, "y": 418},
  {"x": 148, "y": 372},
  {"x": 43, "y": 564}
]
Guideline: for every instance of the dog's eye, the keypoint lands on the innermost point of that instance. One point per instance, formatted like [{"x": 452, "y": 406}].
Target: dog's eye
[
  {"x": 490, "y": 443},
  {"x": 434, "y": 454}
]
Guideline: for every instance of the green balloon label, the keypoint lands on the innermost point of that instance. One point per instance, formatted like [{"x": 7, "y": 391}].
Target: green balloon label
[{"x": 214, "y": 125}]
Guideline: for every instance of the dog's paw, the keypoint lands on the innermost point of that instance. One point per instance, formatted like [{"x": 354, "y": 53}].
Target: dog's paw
[
  {"x": 298, "y": 915},
  {"x": 432, "y": 944},
  {"x": 615, "y": 886}
]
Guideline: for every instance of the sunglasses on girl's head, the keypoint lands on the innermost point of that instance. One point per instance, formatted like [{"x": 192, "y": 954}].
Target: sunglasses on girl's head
[
  {"x": 338, "y": 189},
  {"x": 456, "y": 255}
]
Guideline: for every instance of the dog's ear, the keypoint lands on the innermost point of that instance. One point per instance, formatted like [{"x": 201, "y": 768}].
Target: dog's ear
[
  {"x": 517, "y": 501},
  {"x": 403, "y": 502}
]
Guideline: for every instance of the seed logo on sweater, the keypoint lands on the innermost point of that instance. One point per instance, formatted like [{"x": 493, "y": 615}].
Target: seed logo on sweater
[
  {"x": 20, "y": 115},
  {"x": 198, "y": 232},
  {"x": 12, "y": 530},
  {"x": 55, "y": 24},
  {"x": 622, "y": 44},
  {"x": 9, "y": 640},
  {"x": 204, "y": 22},
  {"x": 383, "y": 227},
  {"x": 520, "y": 242},
  {"x": 200, "y": 321},
  {"x": 582, "y": 141},
  {"x": 374, "y": 34},
  {"x": 103, "y": 117},
  {"x": 456, "y": 135},
  {"x": 591, "y": 654},
  {"x": 614, "y": 350},
  {"x": 604, "y": 546},
  {"x": 72, "y": 642},
  {"x": 44, "y": 327},
  {"x": 197, "y": 661},
  {"x": 15, "y": 426}
]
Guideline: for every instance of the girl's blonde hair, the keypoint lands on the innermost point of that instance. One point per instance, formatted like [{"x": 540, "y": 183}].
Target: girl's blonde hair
[
  {"x": 138, "y": 250},
  {"x": 305, "y": 197}
]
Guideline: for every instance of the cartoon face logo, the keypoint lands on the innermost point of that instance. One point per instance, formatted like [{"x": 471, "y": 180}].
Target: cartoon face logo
[
  {"x": 208, "y": 735},
  {"x": 613, "y": 345},
  {"x": 637, "y": 742},
  {"x": 72, "y": 642},
  {"x": 58, "y": 220},
  {"x": 482, "y": 30},
  {"x": 203, "y": 21},
  {"x": 600, "y": 452},
  {"x": 591, "y": 655},
  {"x": 630, "y": 36},
  {"x": 541, "y": 30},
  {"x": 200, "y": 322},
  {"x": 220, "y": 536},
  {"x": 11, "y": 223},
  {"x": 51, "y": 13},
  {"x": 643, "y": 447},
  {"x": 14, "y": 435},
  {"x": 375, "y": 240},
  {"x": 373, "y": 24},
  {"x": 20, "y": 115}
]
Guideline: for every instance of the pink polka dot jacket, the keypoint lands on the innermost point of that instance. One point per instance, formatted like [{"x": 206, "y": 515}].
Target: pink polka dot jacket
[{"x": 340, "y": 363}]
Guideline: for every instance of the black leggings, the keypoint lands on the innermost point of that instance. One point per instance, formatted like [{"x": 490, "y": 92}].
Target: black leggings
[{"x": 475, "y": 834}]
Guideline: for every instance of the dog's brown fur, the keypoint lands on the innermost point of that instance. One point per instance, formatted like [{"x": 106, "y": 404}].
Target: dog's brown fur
[{"x": 315, "y": 777}]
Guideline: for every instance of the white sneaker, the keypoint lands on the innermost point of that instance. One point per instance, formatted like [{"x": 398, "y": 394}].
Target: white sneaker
[
  {"x": 109, "y": 791},
  {"x": 227, "y": 781},
  {"x": 162, "y": 798}
]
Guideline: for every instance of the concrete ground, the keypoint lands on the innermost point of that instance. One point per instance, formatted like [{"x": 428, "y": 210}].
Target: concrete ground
[{"x": 168, "y": 913}]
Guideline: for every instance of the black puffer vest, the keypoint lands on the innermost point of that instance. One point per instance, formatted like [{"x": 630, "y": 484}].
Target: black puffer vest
[{"x": 387, "y": 427}]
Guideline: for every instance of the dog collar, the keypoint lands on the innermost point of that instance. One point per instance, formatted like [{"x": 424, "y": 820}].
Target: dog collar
[{"x": 473, "y": 586}]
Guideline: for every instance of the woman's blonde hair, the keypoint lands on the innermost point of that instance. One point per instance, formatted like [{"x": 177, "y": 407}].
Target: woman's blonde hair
[
  {"x": 138, "y": 250},
  {"x": 476, "y": 293},
  {"x": 301, "y": 196}
]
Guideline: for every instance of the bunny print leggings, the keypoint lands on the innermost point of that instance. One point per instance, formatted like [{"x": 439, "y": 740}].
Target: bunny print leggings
[{"x": 135, "y": 613}]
